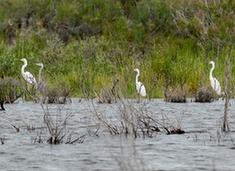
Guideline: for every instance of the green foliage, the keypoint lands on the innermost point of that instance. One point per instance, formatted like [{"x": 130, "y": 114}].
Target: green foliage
[
  {"x": 88, "y": 43},
  {"x": 152, "y": 14}
]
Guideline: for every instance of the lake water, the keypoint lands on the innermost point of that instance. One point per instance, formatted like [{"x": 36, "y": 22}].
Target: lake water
[{"x": 202, "y": 147}]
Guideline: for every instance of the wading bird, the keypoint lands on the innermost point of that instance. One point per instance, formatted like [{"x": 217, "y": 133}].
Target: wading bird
[
  {"x": 139, "y": 86},
  {"x": 40, "y": 71},
  {"x": 29, "y": 78},
  {"x": 214, "y": 82},
  {"x": 40, "y": 85}
]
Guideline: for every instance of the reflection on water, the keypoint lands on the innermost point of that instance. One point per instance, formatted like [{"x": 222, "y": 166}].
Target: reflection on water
[{"x": 203, "y": 147}]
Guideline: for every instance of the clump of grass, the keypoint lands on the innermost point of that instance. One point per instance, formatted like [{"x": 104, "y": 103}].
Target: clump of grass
[
  {"x": 109, "y": 94},
  {"x": 59, "y": 94},
  {"x": 176, "y": 95},
  {"x": 9, "y": 31},
  {"x": 205, "y": 95},
  {"x": 10, "y": 90}
]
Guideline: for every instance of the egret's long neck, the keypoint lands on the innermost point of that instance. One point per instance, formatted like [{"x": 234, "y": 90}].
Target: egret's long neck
[
  {"x": 212, "y": 69},
  {"x": 137, "y": 76},
  {"x": 23, "y": 67}
]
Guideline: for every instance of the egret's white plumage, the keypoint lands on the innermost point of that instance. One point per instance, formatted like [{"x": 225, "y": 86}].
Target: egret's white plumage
[
  {"x": 140, "y": 88},
  {"x": 29, "y": 78},
  {"x": 214, "y": 82}
]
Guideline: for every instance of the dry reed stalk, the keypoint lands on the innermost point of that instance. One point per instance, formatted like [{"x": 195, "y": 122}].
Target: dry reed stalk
[
  {"x": 56, "y": 127},
  {"x": 227, "y": 77},
  {"x": 136, "y": 121}
]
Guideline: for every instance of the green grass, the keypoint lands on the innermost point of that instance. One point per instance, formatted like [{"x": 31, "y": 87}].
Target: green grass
[{"x": 144, "y": 35}]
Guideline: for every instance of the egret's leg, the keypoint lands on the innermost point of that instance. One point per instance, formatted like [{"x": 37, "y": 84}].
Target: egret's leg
[
  {"x": 138, "y": 98},
  {"x": 25, "y": 92},
  {"x": 33, "y": 93},
  {"x": 35, "y": 96},
  {"x": 28, "y": 90}
]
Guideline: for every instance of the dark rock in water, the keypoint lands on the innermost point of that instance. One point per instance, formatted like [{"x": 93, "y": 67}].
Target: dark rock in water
[
  {"x": 57, "y": 100},
  {"x": 2, "y": 107},
  {"x": 176, "y": 131},
  {"x": 205, "y": 95},
  {"x": 177, "y": 95}
]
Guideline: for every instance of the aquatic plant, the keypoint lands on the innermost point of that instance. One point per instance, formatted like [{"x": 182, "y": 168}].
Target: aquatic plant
[
  {"x": 56, "y": 128},
  {"x": 176, "y": 95},
  {"x": 109, "y": 94},
  {"x": 10, "y": 90},
  {"x": 205, "y": 95},
  {"x": 2, "y": 140},
  {"x": 17, "y": 129},
  {"x": 58, "y": 93},
  {"x": 135, "y": 121}
]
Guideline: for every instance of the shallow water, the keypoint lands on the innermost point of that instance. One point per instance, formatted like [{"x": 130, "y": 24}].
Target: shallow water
[{"x": 203, "y": 147}]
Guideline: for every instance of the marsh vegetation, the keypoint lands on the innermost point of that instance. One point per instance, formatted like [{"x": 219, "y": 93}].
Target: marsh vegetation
[
  {"x": 89, "y": 50},
  {"x": 89, "y": 44}
]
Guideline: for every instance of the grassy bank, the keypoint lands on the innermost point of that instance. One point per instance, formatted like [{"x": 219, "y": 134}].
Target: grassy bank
[{"x": 85, "y": 45}]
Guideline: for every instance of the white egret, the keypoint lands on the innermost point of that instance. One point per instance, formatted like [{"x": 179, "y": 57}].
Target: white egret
[
  {"x": 29, "y": 78},
  {"x": 139, "y": 86},
  {"x": 214, "y": 82},
  {"x": 40, "y": 85},
  {"x": 40, "y": 71}
]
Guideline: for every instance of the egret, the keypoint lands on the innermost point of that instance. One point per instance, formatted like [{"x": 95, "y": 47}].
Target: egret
[
  {"x": 40, "y": 85},
  {"x": 29, "y": 78},
  {"x": 139, "y": 86},
  {"x": 214, "y": 82},
  {"x": 40, "y": 71}
]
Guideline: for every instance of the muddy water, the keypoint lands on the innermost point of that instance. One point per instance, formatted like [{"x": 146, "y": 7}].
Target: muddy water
[{"x": 203, "y": 147}]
